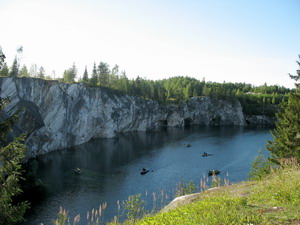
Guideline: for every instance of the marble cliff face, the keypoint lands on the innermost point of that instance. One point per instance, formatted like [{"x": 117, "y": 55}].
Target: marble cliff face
[{"x": 58, "y": 115}]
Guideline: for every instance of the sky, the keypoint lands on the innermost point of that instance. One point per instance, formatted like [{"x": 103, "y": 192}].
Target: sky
[{"x": 252, "y": 41}]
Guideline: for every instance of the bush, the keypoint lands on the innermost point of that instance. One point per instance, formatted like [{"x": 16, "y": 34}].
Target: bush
[{"x": 260, "y": 167}]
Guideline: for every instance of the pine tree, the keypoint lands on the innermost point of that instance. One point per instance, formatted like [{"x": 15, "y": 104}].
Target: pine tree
[
  {"x": 2, "y": 58},
  {"x": 70, "y": 74},
  {"x": 24, "y": 71},
  {"x": 10, "y": 172},
  {"x": 103, "y": 71},
  {"x": 85, "y": 77},
  {"x": 4, "y": 72},
  {"x": 41, "y": 73},
  {"x": 14, "y": 72},
  {"x": 94, "y": 79},
  {"x": 286, "y": 135}
]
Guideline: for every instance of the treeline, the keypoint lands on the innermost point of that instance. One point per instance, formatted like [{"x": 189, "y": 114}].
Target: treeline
[{"x": 254, "y": 99}]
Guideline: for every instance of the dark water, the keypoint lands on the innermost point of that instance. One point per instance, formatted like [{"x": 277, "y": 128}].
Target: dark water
[{"x": 110, "y": 168}]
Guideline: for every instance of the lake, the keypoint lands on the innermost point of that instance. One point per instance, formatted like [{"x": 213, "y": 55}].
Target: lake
[{"x": 111, "y": 168}]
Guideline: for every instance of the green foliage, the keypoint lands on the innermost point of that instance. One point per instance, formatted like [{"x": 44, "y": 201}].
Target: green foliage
[
  {"x": 3, "y": 66},
  {"x": 273, "y": 200},
  {"x": 70, "y": 74},
  {"x": 103, "y": 74},
  {"x": 10, "y": 173},
  {"x": 214, "y": 210},
  {"x": 62, "y": 217},
  {"x": 134, "y": 207},
  {"x": 282, "y": 187},
  {"x": 286, "y": 143},
  {"x": 286, "y": 136},
  {"x": 41, "y": 74},
  {"x": 4, "y": 72},
  {"x": 85, "y": 77},
  {"x": 94, "y": 79},
  {"x": 216, "y": 181},
  {"x": 185, "y": 189},
  {"x": 260, "y": 167},
  {"x": 255, "y": 100},
  {"x": 14, "y": 71},
  {"x": 261, "y": 104},
  {"x": 24, "y": 72},
  {"x": 2, "y": 58}
]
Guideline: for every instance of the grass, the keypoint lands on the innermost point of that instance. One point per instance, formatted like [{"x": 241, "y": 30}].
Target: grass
[{"x": 272, "y": 200}]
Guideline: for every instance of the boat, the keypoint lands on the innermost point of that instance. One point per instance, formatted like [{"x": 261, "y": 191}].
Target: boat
[
  {"x": 144, "y": 171},
  {"x": 213, "y": 172},
  {"x": 205, "y": 154},
  {"x": 77, "y": 170},
  {"x": 189, "y": 145}
]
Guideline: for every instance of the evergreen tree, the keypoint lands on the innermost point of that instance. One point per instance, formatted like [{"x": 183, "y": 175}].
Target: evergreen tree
[
  {"x": 103, "y": 71},
  {"x": 14, "y": 72},
  {"x": 286, "y": 141},
  {"x": 85, "y": 77},
  {"x": 94, "y": 78},
  {"x": 123, "y": 84},
  {"x": 115, "y": 70},
  {"x": 70, "y": 74},
  {"x": 2, "y": 58},
  {"x": 41, "y": 73},
  {"x": 4, "y": 72},
  {"x": 10, "y": 172},
  {"x": 24, "y": 71}
]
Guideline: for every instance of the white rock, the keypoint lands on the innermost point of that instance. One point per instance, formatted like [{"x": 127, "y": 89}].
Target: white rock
[{"x": 59, "y": 115}]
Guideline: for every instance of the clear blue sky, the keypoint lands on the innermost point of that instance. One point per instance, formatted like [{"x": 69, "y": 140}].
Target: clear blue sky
[{"x": 253, "y": 41}]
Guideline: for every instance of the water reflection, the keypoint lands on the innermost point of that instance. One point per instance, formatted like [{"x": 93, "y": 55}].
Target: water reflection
[{"x": 110, "y": 167}]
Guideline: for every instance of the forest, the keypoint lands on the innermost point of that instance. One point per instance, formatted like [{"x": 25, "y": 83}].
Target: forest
[{"x": 255, "y": 100}]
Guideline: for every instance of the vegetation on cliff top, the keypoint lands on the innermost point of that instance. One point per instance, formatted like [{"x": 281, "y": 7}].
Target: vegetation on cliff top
[{"x": 256, "y": 100}]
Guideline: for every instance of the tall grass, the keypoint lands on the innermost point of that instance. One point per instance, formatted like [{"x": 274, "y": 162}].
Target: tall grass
[{"x": 274, "y": 199}]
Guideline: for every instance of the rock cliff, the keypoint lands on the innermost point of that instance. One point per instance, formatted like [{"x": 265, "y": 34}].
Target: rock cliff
[{"x": 58, "y": 115}]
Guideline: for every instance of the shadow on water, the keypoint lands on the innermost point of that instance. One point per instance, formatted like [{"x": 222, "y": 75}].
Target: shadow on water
[{"x": 110, "y": 167}]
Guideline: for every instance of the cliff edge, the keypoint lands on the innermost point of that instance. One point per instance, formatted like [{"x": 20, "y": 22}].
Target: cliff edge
[{"x": 58, "y": 115}]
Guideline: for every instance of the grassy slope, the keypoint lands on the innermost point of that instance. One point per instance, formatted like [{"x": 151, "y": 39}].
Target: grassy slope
[{"x": 274, "y": 200}]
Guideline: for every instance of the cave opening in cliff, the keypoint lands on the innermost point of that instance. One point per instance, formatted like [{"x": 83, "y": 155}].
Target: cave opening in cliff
[
  {"x": 163, "y": 123},
  {"x": 187, "y": 122}
]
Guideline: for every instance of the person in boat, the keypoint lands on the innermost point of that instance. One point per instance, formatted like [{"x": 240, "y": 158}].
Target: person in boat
[
  {"x": 213, "y": 172},
  {"x": 144, "y": 171},
  {"x": 77, "y": 170}
]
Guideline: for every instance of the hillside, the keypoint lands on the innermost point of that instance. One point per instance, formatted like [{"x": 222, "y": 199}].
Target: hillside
[{"x": 273, "y": 200}]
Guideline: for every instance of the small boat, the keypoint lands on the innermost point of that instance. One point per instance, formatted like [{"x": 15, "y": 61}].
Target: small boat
[
  {"x": 213, "y": 172},
  {"x": 77, "y": 170},
  {"x": 144, "y": 171},
  {"x": 205, "y": 154},
  {"x": 189, "y": 145}
]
